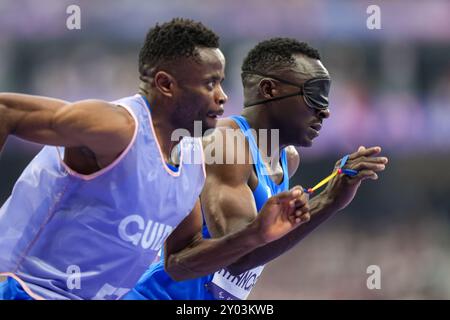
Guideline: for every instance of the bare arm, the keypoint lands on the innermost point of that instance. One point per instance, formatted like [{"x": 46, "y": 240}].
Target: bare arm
[
  {"x": 320, "y": 210},
  {"x": 13, "y": 106},
  {"x": 228, "y": 206},
  {"x": 188, "y": 255},
  {"x": 91, "y": 123}
]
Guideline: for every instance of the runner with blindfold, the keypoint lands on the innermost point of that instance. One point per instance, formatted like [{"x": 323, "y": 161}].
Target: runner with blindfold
[{"x": 286, "y": 88}]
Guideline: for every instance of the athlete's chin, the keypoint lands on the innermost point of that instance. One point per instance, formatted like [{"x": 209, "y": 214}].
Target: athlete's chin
[
  {"x": 308, "y": 139},
  {"x": 305, "y": 142},
  {"x": 210, "y": 124}
]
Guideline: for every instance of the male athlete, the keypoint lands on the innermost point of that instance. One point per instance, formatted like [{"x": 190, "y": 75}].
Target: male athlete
[
  {"x": 285, "y": 87},
  {"x": 86, "y": 217}
]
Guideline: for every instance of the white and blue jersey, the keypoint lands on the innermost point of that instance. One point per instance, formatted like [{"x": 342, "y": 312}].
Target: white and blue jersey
[{"x": 156, "y": 284}]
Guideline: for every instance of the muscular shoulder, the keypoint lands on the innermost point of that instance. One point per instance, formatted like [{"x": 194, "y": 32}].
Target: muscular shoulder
[
  {"x": 96, "y": 115},
  {"x": 293, "y": 160},
  {"x": 104, "y": 128},
  {"x": 227, "y": 154}
]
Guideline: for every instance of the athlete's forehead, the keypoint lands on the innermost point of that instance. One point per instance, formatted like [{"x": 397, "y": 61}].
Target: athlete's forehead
[
  {"x": 207, "y": 63},
  {"x": 210, "y": 56},
  {"x": 306, "y": 68},
  {"x": 211, "y": 60}
]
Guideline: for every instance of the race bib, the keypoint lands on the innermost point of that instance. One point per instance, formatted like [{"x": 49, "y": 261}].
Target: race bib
[{"x": 225, "y": 286}]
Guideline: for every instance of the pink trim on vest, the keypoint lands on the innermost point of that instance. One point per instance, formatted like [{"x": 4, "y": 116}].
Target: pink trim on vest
[
  {"x": 94, "y": 175},
  {"x": 203, "y": 157},
  {"x": 23, "y": 285},
  {"x": 169, "y": 171}
]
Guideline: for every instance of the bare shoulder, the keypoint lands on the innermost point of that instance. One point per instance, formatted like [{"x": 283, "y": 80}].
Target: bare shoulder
[
  {"x": 227, "y": 154},
  {"x": 99, "y": 111},
  {"x": 111, "y": 111},
  {"x": 293, "y": 160},
  {"x": 105, "y": 128}
]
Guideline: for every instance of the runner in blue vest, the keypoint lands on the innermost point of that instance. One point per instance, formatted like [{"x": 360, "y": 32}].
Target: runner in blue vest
[
  {"x": 93, "y": 208},
  {"x": 286, "y": 88}
]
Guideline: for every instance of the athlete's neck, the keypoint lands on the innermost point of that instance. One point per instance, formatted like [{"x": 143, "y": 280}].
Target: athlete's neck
[
  {"x": 163, "y": 126},
  {"x": 258, "y": 120}
]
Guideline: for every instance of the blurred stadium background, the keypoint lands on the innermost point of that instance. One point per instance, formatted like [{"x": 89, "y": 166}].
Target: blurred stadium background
[{"x": 391, "y": 87}]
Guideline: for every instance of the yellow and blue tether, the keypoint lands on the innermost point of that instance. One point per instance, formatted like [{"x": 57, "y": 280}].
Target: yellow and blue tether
[{"x": 340, "y": 170}]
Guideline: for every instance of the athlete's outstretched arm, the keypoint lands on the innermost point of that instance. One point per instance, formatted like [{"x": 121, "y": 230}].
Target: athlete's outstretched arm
[
  {"x": 91, "y": 123},
  {"x": 10, "y": 105},
  {"x": 338, "y": 194}
]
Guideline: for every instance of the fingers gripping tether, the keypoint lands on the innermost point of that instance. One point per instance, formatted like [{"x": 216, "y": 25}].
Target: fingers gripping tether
[{"x": 340, "y": 170}]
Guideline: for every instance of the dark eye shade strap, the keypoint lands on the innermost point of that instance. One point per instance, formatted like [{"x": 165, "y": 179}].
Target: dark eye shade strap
[
  {"x": 270, "y": 76},
  {"x": 273, "y": 99},
  {"x": 312, "y": 94}
]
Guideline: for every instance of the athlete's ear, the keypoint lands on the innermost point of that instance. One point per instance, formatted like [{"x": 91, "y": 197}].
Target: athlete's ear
[
  {"x": 267, "y": 88},
  {"x": 164, "y": 82}
]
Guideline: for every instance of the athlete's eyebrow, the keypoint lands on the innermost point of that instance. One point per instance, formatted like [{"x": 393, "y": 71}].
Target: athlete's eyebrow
[{"x": 215, "y": 77}]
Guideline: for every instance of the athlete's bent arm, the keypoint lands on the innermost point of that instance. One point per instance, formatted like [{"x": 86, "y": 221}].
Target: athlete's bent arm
[
  {"x": 338, "y": 194},
  {"x": 188, "y": 255},
  {"x": 228, "y": 204},
  {"x": 91, "y": 123},
  {"x": 321, "y": 208}
]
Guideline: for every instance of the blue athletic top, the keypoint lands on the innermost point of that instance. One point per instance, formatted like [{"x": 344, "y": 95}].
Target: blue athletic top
[{"x": 156, "y": 284}]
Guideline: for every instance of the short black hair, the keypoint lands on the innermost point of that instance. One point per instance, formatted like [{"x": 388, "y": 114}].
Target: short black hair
[
  {"x": 276, "y": 53},
  {"x": 174, "y": 39}
]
